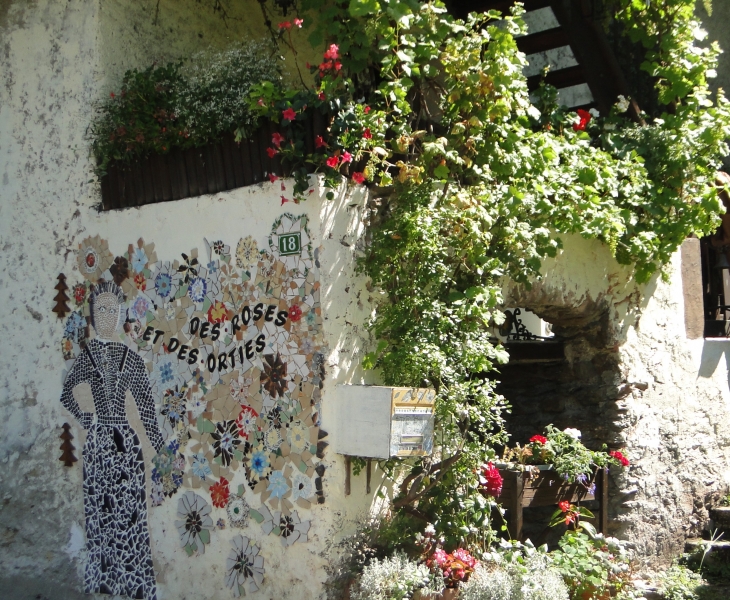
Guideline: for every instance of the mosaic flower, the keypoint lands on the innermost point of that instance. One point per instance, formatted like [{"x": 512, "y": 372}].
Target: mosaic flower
[
  {"x": 295, "y": 313},
  {"x": 273, "y": 377},
  {"x": 218, "y": 247},
  {"x": 244, "y": 567},
  {"x": 168, "y": 468},
  {"x": 197, "y": 289},
  {"x": 139, "y": 308},
  {"x": 278, "y": 485},
  {"x": 239, "y": 389},
  {"x": 189, "y": 268},
  {"x": 140, "y": 282},
  {"x": 166, "y": 373},
  {"x": 272, "y": 439},
  {"x": 246, "y": 253},
  {"x": 157, "y": 494},
  {"x": 120, "y": 270},
  {"x": 212, "y": 266},
  {"x": 298, "y": 437},
  {"x": 293, "y": 529},
  {"x": 75, "y": 328},
  {"x": 94, "y": 258},
  {"x": 195, "y": 524},
  {"x": 226, "y": 440},
  {"x": 139, "y": 260},
  {"x": 173, "y": 405},
  {"x": 246, "y": 421},
  {"x": 301, "y": 486},
  {"x": 217, "y": 313},
  {"x": 219, "y": 493},
  {"x": 163, "y": 284},
  {"x": 200, "y": 466},
  {"x": 67, "y": 348},
  {"x": 311, "y": 317},
  {"x": 238, "y": 511},
  {"x": 259, "y": 464},
  {"x": 79, "y": 293},
  {"x": 220, "y": 524}
]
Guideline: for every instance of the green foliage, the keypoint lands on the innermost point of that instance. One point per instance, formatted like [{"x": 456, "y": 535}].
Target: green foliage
[
  {"x": 180, "y": 104},
  {"x": 591, "y": 564},
  {"x": 680, "y": 583}
]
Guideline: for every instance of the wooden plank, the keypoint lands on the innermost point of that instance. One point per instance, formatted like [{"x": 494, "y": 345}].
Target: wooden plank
[
  {"x": 236, "y": 160},
  {"x": 174, "y": 160},
  {"x": 230, "y": 174},
  {"x": 106, "y": 194},
  {"x": 164, "y": 175},
  {"x": 257, "y": 168},
  {"x": 191, "y": 172},
  {"x": 515, "y": 507},
  {"x": 560, "y": 79},
  {"x": 207, "y": 154},
  {"x": 199, "y": 162},
  {"x": 544, "y": 40},
  {"x": 602, "y": 495},
  {"x": 264, "y": 141},
  {"x": 309, "y": 132},
  {"x": 138, "y": 182},
  {"x": 219, "y": 170},
  {"x": 246, "y": 161},
  {"x": 156, "y": 168}
]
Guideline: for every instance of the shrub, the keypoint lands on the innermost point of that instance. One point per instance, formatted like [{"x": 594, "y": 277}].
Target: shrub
[
  {"x": 393, "y": 578},
  {"x": 679, "y": 583}
]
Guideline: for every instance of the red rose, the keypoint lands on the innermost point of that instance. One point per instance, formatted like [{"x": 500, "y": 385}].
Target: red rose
[
  {"x": 289, "y": 114},
  {"x": 358, "y": 177},
  {"x": 538, "y": 439}
]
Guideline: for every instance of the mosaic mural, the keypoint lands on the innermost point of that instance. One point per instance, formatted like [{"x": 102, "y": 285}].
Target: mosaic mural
[{"x": 223, "y": 353}]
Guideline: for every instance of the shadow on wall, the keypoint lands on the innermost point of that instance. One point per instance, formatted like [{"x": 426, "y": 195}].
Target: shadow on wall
[{"x": 713, "y": 351}]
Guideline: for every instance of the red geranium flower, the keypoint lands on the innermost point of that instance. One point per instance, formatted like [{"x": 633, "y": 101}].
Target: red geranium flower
[
  {"x": 366, "y": 134},
  {"x": 276, "y": 139},
  {"x": 619, "y": 457},
  {"x": 219, "y": 493},
  {"x": 332, "y": 52},
  {"x": 272, "y": 152},
  {"x": 319, "y": 142},
  {"x": 491, "y": 480},
  {"x": 285, "y": 25},
  {"x": 295, "y": 313},
  {"x": 539, "y": 439},
  {"x": 289, "y": 114},
  {"x": 358, "y": 177},
  {"x": 332, "y": 162},
  {"x": 585, "y": 118}
]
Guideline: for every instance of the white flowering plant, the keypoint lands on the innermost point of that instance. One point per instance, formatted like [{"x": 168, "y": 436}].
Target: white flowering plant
[{"x": 395, "y": 578}]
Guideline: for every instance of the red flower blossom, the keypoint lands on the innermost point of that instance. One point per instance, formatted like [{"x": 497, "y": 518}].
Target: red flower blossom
[
  {"x": 367, "y": 109},
  {"x": 140, "y": 282},
  {"x": 538, "y": 439},
  {"x": 321, "y": 96},
  {"x": 289, "y": 114},
  {"x": 79, "y": 293},
  {"x": 564, "y": 505},
  {"x": 346, "y": 157},
  {"x": 295, "y": 313},
  {"x": 585, "y": 118},
  {"x": 332, "y": 162},
  {"x": 299, "y": 22},
  {"x": 332, "y": 52},
  {"x": 219, "y": 493},
  {"x": 338, "y": 65},
  {"x": 285, "y": 25},
  {"x": 111, "y": 95},
  {"x": 272, "y": 177},
  {"x": 276, "y": 139},
  {"x": 217, "y": 312},
  {"x": 491, "y": 480},
  {"x": 284, "y": 199},
  {"x": 358, "y": 177},
  {"x": 366, "y": 134},
  {"x": 319, "y": 142},
  {"x": 272, "y": 152},
  {"x": 260, "y": 102},
  {"x": 619, "y": 457}
]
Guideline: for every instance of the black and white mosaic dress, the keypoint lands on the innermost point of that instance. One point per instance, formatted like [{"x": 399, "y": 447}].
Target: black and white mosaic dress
[{"x": 115, "y": 503}]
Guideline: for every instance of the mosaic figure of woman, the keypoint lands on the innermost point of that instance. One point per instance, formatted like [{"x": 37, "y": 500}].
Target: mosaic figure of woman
[{"x": 115, "y": 502}]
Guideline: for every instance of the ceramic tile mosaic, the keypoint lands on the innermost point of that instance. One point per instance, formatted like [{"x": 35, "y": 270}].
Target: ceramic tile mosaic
[{"x": 223, "y": 351}]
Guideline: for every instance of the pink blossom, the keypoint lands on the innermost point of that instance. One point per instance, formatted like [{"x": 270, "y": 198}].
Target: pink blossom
[
  {"x": 299, "y": 22},
  {"x": 346, "y": 157},
  {"x": 332, "y": 52},
  {"x": 492, "y": 480},
  {"x": 272, "y": 152},
  {"x": 276, "y": 139}
]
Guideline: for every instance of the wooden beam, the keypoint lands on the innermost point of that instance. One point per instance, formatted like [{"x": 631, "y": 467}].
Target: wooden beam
[
  {"x": 543, "y": 40},
  {"x": 560, "y": 79}
]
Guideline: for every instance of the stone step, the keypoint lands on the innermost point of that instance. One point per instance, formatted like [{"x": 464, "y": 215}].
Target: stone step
[
  {"x": 720, "y": 520},
  {"x": 719, "y": 550}
]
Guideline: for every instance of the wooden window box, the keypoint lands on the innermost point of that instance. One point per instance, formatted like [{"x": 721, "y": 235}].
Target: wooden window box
[
  {"x": 547, "y": 489},
  {"x": 218, "y": 167}
]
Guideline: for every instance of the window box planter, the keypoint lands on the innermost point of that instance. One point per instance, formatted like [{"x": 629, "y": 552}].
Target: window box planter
[
  {"x": 217, "y": 167},
  {"x": 547, "y": 489}
]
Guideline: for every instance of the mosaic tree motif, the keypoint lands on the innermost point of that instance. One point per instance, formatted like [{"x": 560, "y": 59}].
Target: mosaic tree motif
[{"x": 232, "y": 346}]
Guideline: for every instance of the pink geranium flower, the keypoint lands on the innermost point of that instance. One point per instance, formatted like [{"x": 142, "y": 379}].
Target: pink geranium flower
[{"x": 332, "y": 52}]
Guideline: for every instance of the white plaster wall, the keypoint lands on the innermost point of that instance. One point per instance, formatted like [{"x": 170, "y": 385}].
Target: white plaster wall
[{"x": 52, "y": 62}]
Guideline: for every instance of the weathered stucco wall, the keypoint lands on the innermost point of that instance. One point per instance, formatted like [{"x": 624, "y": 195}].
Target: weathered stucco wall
[
  {"x": 633, "y": 380},
  {"x": 56, "y": 60}
]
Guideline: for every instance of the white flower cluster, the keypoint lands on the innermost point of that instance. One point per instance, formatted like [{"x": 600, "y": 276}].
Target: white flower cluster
[
  {"x": 393, "y": 578},
  {"x": 532, "y": 580},
  {"x": 212, "y": 98},
  {"x": 623, "y": 104}
]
